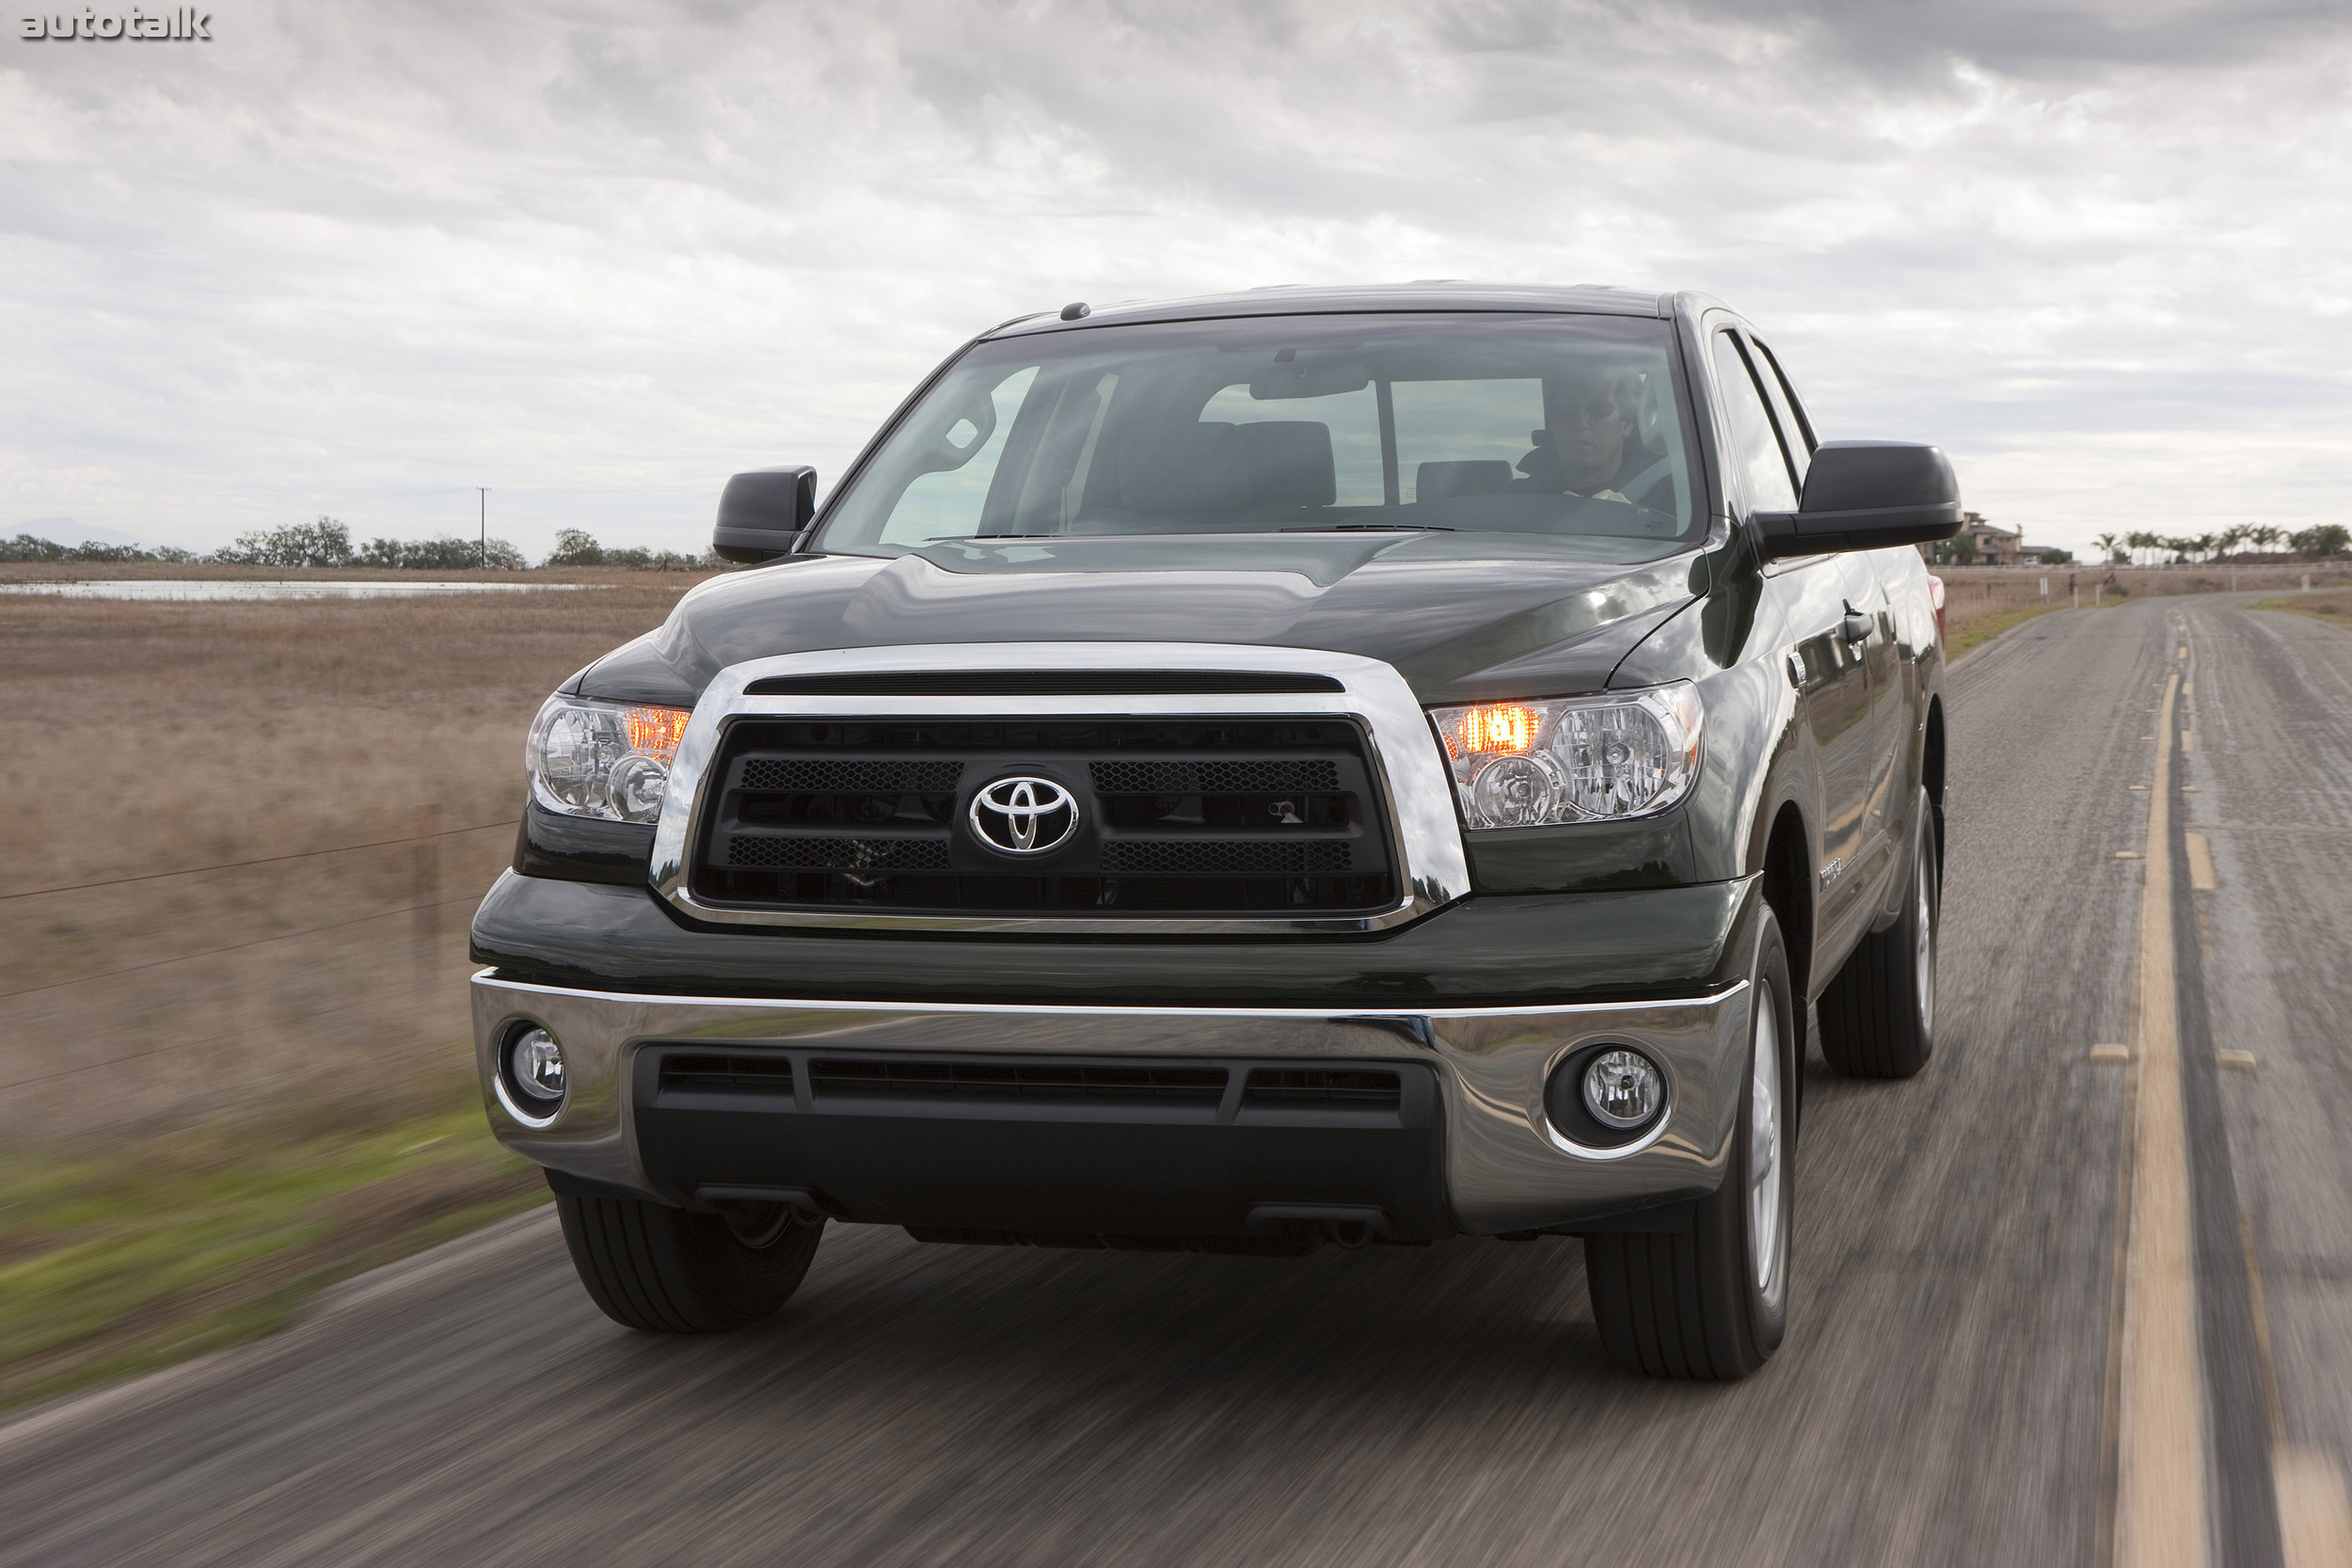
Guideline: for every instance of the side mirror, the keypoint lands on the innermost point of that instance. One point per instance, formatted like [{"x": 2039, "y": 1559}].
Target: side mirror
[
  {"x": 1867, "y": 496},
  {"x": 763, "y": 514}
]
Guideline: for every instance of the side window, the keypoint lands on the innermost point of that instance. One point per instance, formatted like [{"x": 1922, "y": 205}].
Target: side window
[
  {"x": 1756, "y": 447},
  {"x": 1786, "y": 409},
  {"x": 944, "y": 502}
]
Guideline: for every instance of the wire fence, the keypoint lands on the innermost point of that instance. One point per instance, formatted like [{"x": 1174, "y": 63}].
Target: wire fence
[
  {"x": 262, "y": 859},
  {"x": 425, "y": 847},
  {"x": 239, "y": 947}
]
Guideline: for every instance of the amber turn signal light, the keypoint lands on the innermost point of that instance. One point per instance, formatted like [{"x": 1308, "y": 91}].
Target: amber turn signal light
[{"x": 1502, "y": 727}]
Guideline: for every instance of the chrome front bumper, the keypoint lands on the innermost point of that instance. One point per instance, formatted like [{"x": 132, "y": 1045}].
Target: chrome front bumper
[{"x": 1506, "y": 1167}]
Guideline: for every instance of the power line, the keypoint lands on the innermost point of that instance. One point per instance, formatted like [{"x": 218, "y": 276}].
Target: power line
[
  {"x": 239, "y": 947},
  {"x": 265, "y": 860}
]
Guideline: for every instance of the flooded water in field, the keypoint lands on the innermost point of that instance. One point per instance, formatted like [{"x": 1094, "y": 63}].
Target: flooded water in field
[{"x": 158, "y": 588}]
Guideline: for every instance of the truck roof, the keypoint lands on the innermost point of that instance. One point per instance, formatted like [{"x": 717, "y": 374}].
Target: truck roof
[{"x": 1436, "y": 293}]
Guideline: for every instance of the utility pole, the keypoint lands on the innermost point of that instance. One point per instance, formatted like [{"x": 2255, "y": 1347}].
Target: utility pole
[{"x": 486, "y": 525}]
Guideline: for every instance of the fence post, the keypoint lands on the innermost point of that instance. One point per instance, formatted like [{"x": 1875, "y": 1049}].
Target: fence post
[{"x": 424, "y": 877}]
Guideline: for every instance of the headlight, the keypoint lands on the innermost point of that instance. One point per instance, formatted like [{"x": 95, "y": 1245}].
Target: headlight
[
  {"x": 603, "y": 759},
  {"x": 1573, "y": 759}
]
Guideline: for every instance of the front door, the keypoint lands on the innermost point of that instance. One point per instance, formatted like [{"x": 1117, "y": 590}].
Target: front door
[{"x": 1828, "y": 604}]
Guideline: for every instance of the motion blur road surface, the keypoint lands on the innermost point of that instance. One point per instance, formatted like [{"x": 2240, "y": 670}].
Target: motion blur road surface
[{"x": 1951, "y": 1389}]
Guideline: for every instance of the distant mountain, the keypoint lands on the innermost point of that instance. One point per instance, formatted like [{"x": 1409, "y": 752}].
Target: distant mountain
[{"x": 65, "y": 531}]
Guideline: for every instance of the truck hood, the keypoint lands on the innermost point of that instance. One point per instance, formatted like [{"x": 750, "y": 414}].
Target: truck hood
[{"x": 1463, "y": 616}]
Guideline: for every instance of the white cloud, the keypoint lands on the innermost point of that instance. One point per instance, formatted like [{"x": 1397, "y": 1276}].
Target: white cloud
[{"x": 597, "y": 257}]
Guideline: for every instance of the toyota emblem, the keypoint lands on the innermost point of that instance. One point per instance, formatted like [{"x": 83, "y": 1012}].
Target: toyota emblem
[{"x": 1024, "y": 816}]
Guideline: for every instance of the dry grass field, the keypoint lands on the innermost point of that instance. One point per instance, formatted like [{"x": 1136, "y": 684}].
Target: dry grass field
[
  {"x": 298, "y": 986},
  {"x": 1981, "y": 602},
  {"x": 235, "y": 887},
  {"x": 2335, "y": 608}
]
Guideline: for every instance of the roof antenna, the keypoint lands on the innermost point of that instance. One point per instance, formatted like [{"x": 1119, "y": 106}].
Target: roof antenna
[{"x": 1077, "y": 309}]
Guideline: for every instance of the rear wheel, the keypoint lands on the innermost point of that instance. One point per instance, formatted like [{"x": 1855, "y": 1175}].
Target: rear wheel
[
  {"x": 669, "y": 1271},
  {"x": 1878, "y": 1015},
  {"x": 1713, "y": 1303}
]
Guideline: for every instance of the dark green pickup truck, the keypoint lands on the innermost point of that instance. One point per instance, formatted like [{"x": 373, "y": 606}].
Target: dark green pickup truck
[{"x": 1360, "y": 764}]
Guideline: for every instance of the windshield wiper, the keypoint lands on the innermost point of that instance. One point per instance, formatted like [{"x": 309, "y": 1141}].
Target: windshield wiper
[{"x": 1373, "y": 527}]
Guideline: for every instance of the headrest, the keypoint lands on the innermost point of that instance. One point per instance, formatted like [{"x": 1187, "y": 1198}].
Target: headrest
[
  {"x": 1479, "y": 477},
  {"x": 1289, "y": 462},
  {"x": 1180, "y": 469},
  {"x": 1217, "y": 467}
]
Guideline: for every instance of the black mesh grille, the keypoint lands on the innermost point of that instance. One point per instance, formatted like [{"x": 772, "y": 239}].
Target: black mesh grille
[
  {"x": 1202, "y": 816},
  {"x": 764, "y": 1075},
  {"x": 1043, "y": 1082},
  {"x": 1223, "y": 858},
  {"x": 1222, "y": 778},
  {"x": 835, "y": 774},
  {"x": 839, "y": 854},
  {"x": 1331, "y": 1088}
]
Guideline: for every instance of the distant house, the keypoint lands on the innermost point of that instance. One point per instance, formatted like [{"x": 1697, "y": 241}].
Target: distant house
[{"x": 1995, "y": 545}]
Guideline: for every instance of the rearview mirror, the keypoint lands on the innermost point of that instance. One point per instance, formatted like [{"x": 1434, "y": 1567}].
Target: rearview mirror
[
  {"x": 1867, "y": 496},
  {"x": 763, "y": 514}
]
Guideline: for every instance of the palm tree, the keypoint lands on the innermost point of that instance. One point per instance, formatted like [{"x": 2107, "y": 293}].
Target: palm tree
[{"x": 2106, "y": 542}]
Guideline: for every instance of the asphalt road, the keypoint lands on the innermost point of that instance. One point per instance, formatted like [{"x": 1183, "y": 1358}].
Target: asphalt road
[{"x": 1951, "y": 1389}]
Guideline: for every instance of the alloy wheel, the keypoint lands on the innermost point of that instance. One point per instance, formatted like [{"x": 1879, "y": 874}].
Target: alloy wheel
[{"x": 1764, "y": 1146}]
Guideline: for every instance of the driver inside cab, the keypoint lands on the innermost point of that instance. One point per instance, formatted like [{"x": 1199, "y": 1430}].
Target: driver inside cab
[{"x": 1591, "y": 445}]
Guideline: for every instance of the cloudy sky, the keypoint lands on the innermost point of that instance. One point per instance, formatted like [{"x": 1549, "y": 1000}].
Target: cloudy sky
[{"x": 360, "y": 260}]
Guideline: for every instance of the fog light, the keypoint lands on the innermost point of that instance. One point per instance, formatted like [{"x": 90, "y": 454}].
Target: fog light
[
  {"x": 1623, "y": 1089},
  {"x": 535, "y": 1067}
]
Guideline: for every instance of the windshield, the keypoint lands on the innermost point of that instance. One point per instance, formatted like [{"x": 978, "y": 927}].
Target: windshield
[{"x": 1561, "y": 425}]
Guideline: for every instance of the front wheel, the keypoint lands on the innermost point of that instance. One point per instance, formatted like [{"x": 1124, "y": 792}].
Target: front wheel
[
  {"x": 669, "y": 1271},
  {"x": 1713, "y": 1303}
]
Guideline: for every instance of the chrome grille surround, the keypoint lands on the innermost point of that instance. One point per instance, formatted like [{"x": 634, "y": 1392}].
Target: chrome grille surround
[{"x": 1408, "y": 766}]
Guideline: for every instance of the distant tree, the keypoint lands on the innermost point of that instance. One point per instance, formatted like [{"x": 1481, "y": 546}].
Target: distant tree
[
  {"x": 574, "y": 548},
  {"x": 1965, "y": 548},
  {"x": 31, "y": 546},
  {"x": 325, "y": 543},
  {"x": 2111, "y": 547},
  {"x": 2053, "y": 556},
  {"x": 659, "y": 561},
  {"x": 2327, "y": 539},
  {"x": 445, "y": 554}
]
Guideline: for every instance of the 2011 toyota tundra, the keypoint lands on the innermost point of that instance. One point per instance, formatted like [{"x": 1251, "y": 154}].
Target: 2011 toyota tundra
[{"x": 1369, "y": 764}]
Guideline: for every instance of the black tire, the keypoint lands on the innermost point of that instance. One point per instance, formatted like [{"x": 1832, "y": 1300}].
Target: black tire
[
  {"x": 669, "y": 1271},
  {"x": 1878, "y": 1015},
  {"x": 1702, "y": 1305}
]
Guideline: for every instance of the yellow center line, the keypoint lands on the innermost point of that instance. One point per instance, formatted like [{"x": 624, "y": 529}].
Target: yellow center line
[{"x": 2160, "y": 1477}]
